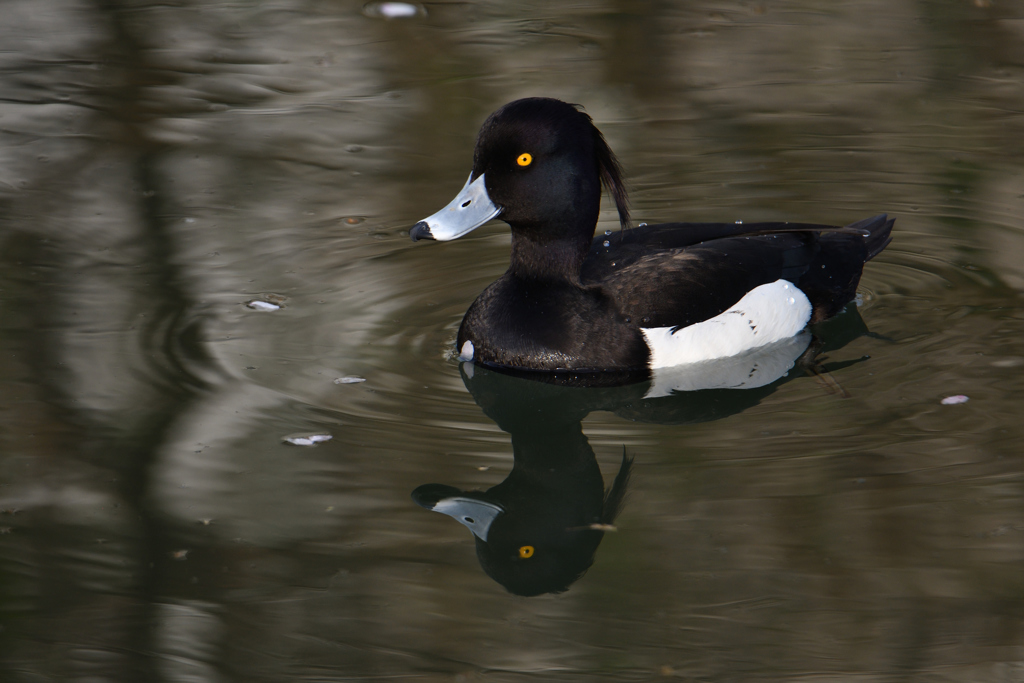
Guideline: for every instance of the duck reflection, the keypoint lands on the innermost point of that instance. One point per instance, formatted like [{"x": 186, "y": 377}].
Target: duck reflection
[{"x": 538, "y": 530}]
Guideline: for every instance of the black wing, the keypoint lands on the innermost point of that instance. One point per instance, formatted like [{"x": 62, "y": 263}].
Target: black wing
[{"x": 677, "y": 274}]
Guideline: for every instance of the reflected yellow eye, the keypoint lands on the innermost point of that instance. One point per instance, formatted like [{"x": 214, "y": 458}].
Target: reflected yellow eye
[
  {"x": 527, "y": 550},
  {"x": 525, "y": 159}
]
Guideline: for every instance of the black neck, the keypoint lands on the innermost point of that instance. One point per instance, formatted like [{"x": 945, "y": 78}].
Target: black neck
[{"x": 552, "y": 251}]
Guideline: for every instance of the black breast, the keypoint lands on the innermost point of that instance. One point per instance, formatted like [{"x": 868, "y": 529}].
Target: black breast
[{"x": 551, "y": 326}]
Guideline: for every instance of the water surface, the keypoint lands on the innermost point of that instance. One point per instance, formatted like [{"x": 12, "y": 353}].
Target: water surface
[{"x": 162, "y": 166}]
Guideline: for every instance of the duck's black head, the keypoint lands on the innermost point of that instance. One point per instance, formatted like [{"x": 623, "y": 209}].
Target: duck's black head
[{"x": 538, "y": 165}]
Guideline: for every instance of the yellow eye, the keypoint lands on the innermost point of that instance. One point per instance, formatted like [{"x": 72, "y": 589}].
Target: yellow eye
[
  {"x": 527, "y": 550},
  {"x": 525, "y": 159}
]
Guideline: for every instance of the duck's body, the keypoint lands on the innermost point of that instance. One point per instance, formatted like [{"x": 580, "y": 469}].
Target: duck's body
[{"x": 641, "y": 298}]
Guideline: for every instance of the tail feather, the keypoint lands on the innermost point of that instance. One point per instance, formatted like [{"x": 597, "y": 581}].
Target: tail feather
[{"x": 877, "y": 233}]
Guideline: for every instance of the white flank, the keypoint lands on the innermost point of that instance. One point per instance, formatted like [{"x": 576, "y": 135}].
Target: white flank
[
  {"x": 749, "y": 370},
  {"x": 767, "y": 314},
  {"x": 467, "y": 351}
]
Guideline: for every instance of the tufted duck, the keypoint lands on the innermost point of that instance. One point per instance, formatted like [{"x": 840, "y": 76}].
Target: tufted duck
[{"x": 643, "y": 298}]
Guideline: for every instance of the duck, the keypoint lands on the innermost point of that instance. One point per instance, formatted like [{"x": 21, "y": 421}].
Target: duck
[
  {"x": 538, "y": 531},
  {"x": 642, "y": 298}
]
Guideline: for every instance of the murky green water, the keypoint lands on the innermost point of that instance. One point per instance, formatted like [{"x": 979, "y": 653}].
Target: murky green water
[{"x": 163, "y": 165}]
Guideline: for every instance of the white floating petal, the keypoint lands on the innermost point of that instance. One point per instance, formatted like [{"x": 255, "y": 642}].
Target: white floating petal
[
  {"x": 307, "y": 439},
  {"x": 394, "y": 10},
  {"x": 258, "y": 305}
]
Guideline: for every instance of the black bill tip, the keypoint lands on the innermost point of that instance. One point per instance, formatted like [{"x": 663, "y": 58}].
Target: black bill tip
[
  {"x": 429, "y": 495},
  {"x": 420, "y": 231}
]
